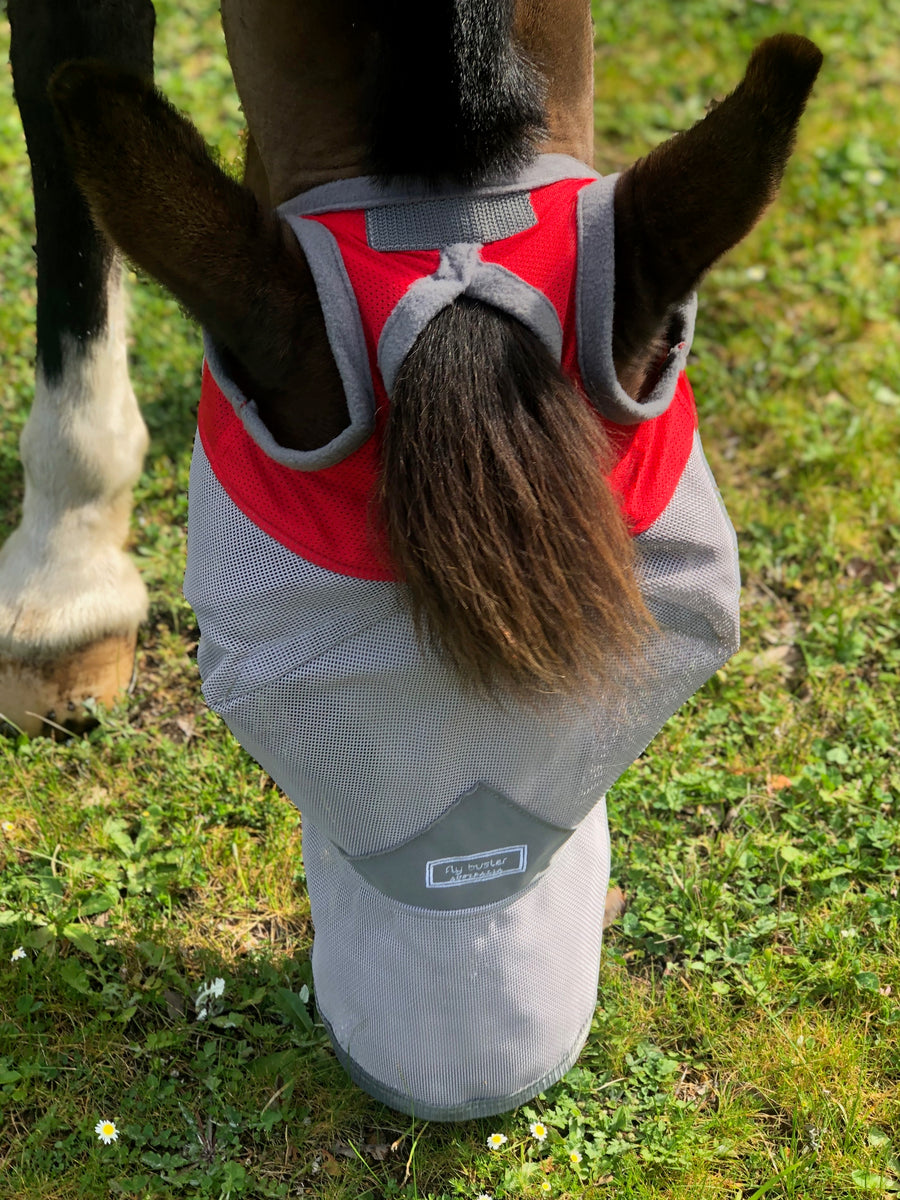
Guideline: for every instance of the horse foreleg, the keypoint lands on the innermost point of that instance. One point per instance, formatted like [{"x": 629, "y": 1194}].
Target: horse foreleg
[{"x": 70, "y": 598}]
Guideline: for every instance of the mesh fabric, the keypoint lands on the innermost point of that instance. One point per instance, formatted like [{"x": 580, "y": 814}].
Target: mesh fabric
[
  {"x": 312, "y": 660},
  {"x": 320, "y": 676}
]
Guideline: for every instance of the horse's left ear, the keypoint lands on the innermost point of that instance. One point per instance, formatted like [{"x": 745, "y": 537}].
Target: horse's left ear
[
  {"x": 695, "y": 196},
  {"x": 155, "y": 191}
]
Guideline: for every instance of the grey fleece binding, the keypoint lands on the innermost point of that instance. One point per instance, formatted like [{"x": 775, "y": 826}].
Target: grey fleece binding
[
  {"x": 456, "y": 848},
  {"x": 463, "y": 273},
  {"x": 459, "y": 223}
]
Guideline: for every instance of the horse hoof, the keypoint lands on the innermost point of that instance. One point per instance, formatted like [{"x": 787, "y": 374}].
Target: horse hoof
[
  {"x": 48, "y": 696},
  {"x": 616, "y": 903}
]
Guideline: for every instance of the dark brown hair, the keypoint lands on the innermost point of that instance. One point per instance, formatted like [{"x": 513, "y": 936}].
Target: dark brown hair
[
  {"x": 497, "y": 513},
  {"x": 454, "y": 96}
]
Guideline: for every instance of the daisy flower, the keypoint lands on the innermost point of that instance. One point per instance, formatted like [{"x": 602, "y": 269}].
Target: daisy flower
[
  {"x": 574, "y": 1158},
  {"x": 106, "y": 1131},
  {"x": 538, "y": 1130},
  {"x": 17, "y": 954},
  {"x": 496, "y": 1140},
  {"x": 7, "y": 826},
  {"x": 545, "y": 1186}
]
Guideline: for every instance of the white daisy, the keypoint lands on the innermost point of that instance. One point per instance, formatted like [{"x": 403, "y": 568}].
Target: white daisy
[
  {"x": 18, "y": 953},
  {"x": 496, "y": 1140},
  {"x": 538, "y": 1130},
  {"x": 106, "y": 1131},
  {"x": 574, "y": 1158}
]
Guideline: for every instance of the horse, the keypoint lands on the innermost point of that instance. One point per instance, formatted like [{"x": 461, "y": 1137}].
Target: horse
[{"x": 438, "y": 600}]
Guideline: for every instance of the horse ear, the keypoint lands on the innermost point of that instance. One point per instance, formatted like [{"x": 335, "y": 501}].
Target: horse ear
[
  {"x": 155, "y": 191},
  {"x": 695, "y": 196}
]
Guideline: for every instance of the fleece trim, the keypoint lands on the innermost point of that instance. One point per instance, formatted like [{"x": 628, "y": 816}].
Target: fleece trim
[{"x": 463, "y": 273}]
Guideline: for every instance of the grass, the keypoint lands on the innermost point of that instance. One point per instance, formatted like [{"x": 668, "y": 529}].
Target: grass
[{"x": 747, "y": 1040}]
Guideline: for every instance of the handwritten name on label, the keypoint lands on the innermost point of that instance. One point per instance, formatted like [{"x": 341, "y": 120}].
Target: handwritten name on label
[{"x": 476, "y": 868}]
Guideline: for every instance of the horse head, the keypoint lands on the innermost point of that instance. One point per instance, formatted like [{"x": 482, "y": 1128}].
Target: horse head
[{"x": 459, "y": 93}]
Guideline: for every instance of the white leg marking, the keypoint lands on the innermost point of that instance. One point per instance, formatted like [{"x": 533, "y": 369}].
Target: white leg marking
[{"x": 64, "y": 577}]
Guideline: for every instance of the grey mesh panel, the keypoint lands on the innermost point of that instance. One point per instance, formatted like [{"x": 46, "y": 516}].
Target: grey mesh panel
[
  {"x": 252, "y": 595},
  {"x": 450, "y": 1016},
  {"x": 373, "y": 736},
  {"x": 366, "y": 192},
  {"x": 321, "y": 678},
  {"x": 462, "y": 272},
  {"x": 431, "y": 224},
  {"x": 594, "y": 316},
  {"x": 689, "y": 571}
]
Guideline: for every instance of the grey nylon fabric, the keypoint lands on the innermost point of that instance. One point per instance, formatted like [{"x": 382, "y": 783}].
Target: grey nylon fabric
[
  {"x": 431, "y": 224},
  {"x": 466, "y": 1012},
  {"x": 437, "y": 869}
]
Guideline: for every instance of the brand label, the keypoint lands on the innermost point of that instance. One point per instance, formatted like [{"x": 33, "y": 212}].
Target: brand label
[{"x": 476, "y": 868}]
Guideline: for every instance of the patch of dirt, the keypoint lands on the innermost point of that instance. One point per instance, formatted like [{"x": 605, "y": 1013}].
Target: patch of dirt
[{"x": 166, "y": 696}]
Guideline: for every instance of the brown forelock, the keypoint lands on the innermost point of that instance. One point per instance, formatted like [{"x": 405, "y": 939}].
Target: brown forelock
[{"x": 497, "y": 513}]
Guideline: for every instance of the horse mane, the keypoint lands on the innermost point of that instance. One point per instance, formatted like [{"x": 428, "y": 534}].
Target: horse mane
[
  {"x": 453, "y": 95},
  {"x": 498, "y": 518}
]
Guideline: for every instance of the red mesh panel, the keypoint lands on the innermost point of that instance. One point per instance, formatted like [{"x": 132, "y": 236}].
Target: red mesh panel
[
  {"x": 546, "y": 254},
  {"x": 379, "y": 277},
  {"x": 326, "y": 515},
  {"x": 651, "y": 458}
]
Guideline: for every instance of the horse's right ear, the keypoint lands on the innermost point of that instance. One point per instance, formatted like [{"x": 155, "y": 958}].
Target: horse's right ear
[{"x": 695, "y": 196}]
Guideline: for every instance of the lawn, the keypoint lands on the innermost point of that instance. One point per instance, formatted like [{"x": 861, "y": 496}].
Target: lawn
[{"x": 747, "y": 1036}]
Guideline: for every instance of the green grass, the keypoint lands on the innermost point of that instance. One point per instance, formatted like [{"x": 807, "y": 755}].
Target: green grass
[{"x": 747, "y": 1040}]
